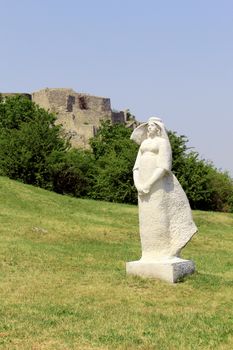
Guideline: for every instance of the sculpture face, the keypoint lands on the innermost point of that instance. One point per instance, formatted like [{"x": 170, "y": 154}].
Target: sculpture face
[{"x": 152, "y": 129}]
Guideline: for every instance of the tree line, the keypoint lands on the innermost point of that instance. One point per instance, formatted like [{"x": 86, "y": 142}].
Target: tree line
[{"x": 33, "y": 151}]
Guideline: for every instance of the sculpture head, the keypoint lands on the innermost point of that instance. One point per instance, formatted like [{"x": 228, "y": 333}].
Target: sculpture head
[{"x": 153, "y": 127}]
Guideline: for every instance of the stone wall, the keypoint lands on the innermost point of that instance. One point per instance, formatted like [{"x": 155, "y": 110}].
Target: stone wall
[
  {"x": 79, "y": 114},
  {"x": 118, "y": 117}
]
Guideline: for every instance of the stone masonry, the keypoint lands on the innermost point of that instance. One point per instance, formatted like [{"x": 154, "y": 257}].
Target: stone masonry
[{"x": 79, "y": 114}]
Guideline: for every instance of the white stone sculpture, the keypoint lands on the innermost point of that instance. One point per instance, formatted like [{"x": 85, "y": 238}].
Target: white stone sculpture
[{"x": 165, "y": 217}]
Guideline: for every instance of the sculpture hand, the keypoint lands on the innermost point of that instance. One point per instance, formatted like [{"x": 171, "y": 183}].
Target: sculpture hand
[
  {"x": 144, "y": 189},
  {"x": 139, "y": 187}
]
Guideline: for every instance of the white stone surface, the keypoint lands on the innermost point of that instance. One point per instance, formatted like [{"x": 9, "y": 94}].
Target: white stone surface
[
  {"x": 170, "y": 270},
  {"x": 165, "y": 217}
]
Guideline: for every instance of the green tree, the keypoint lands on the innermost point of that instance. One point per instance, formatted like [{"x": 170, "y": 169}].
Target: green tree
[
  {"x": 28, "y": 138},
  {"x": 115, "y": 155},
  {"x": 72, "y": 172},
  {"x": 221, "y": 184},
  {"x": 206, "y": 187},
  {"x": 33, "y": 151}
]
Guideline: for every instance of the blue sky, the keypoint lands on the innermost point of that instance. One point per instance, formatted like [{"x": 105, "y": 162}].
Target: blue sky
[{"x": 167, "y": 58}]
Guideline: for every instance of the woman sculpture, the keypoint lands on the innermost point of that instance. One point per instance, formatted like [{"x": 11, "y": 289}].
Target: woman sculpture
[{"x": 165, "y": 217}]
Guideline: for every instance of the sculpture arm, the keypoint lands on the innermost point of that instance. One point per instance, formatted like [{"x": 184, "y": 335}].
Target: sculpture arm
[
  {"x": 137, "y": 183},
  {"x": 157, "y": 174},
  {"x": 145, "y": 188},
  {"x": 136, "y": 172}
]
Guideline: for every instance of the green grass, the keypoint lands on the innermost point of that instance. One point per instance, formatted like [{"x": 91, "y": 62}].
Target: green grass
[{"x": 63, "y": 283}]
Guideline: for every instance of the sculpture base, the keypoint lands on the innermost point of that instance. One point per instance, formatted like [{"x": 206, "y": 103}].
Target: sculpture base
[{"x": 170, "y": 270}]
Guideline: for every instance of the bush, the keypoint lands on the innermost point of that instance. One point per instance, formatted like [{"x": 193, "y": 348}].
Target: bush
[
  {"x": 115, "y": 155},
  {"x": 28, "y": 138},
  {"x": 33, "y": 151},
  {"x": 221, "y": 184},
  {"x": 206, "y": 187},
  {"x": 72, "y": 172}
]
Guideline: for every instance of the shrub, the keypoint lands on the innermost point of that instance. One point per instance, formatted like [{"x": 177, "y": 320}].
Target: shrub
[
  {"x": 28, "y": 137},
  {"x": 33, "y": 151},
  {"x": 115, "y": 155},
  {"x": 72, "y": 172}
]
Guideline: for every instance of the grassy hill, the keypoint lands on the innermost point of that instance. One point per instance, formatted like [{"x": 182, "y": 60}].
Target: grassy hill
[{"x": 63, "y": 283}]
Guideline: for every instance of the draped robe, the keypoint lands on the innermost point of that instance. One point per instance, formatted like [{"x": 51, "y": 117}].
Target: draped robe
[{"x": 165, "y": 217}]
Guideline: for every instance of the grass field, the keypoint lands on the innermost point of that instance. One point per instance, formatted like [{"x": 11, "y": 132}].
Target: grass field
[{"x": 63, "y": 283}]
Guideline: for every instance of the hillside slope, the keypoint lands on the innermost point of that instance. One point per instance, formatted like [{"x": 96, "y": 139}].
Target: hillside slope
[{"x": 63, "y": 282}]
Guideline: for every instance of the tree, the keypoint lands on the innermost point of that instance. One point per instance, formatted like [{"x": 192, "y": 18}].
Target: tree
[
  {"x": 33, "y": 151},
  {"x": 221, "y": 184},
  {"x": 28, "y": 138},
  {"x": 206, "y": 187},
  {"x": 115, "y": 155},
  {"x": 114, "y": 152},
  {"x": 72, "y": 172}
]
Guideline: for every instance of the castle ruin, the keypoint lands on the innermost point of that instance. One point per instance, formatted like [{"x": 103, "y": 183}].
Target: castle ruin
[{"x": 79, "y": 114}]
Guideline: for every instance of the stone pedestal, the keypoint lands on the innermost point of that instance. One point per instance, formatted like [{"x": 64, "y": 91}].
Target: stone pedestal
[{"x": 170, "y": 270}]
